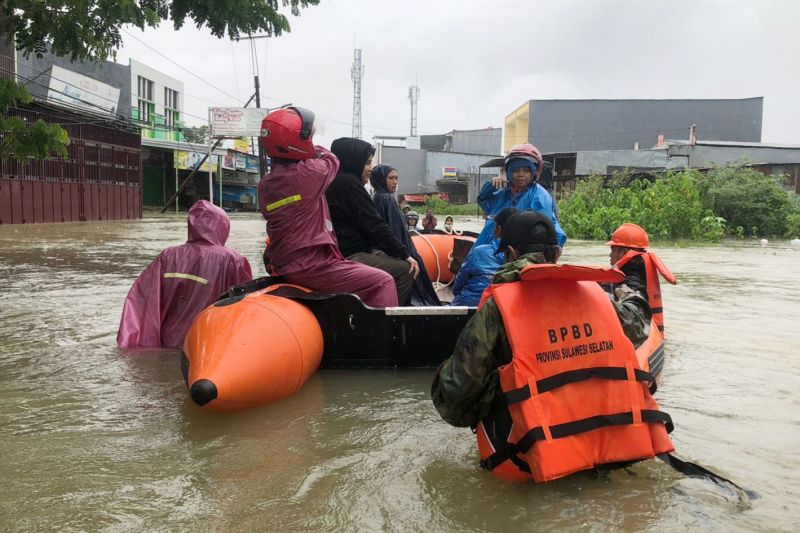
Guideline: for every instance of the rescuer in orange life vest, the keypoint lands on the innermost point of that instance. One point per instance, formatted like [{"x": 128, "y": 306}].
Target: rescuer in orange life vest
[
  {"x": 641, "y": 267},
  {"x": 556, "y": 323}
]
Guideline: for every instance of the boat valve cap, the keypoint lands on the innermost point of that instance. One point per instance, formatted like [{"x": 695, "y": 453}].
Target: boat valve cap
[{"x": 203, "y": 391}]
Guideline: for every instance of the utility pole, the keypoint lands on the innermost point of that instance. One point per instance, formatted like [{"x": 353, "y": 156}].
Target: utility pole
[
  {"x": 257, "y": 95},
  {"x": 413, "y": 95},
  {"x": 258, "y": 140},
  {"x": 356, "y": 73}
]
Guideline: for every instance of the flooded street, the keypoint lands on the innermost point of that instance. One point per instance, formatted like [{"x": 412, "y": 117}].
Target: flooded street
[{"x": 96, "y": 440}]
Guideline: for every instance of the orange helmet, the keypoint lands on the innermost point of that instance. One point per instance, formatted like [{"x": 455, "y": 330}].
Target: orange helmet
[
  {"x": 630, "y": 236},
  {"x": 526, "y": 151}
]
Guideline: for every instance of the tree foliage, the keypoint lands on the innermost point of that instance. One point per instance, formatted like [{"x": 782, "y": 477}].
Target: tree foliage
[
  {"x": 747, "y": 199},
  {"x": 733, "y": 201},
  {"x": 24, "y": 140},
  {"x": 197, "y": 135},
  {"x": 91, "y": 30}
]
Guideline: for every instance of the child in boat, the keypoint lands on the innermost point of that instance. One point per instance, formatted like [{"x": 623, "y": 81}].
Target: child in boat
[
  {"x": 303, "y": 247},
  {"x": 480, "y": 265},
  {"x": 519, "y": 189},
  {"x": 181, "y": 282}
]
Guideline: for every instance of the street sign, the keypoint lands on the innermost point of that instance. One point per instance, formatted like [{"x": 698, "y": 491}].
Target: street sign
[{"x": 236, "y": 121}]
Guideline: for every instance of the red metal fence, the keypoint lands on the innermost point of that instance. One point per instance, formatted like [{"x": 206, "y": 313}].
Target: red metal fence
[{"x": 100, "y": 179}]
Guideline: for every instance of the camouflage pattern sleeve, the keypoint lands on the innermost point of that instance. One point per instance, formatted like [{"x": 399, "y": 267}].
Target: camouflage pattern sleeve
[
  {"x": 634, "y": 315},
  {"x": 466, "y": 384}
]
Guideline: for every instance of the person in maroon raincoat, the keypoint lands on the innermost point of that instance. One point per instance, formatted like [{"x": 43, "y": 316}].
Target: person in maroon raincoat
[
  {"x": 303, "y": 248},
  {"x": 181, "y": 282}
]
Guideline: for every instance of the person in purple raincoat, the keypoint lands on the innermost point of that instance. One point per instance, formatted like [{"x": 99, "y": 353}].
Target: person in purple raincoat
[
  {"x": 181, "y": 282},
  {"x": 303, "y": 248}
]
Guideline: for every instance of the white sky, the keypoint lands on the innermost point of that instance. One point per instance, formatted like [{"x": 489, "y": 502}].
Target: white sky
[{"x": 476, "y": 61}]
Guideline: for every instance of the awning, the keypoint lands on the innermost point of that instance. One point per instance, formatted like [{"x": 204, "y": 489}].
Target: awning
[{"x": 496, "y": 162}]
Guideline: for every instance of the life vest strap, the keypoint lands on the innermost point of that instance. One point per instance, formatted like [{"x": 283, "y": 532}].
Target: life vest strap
[
  {"x": 509, "y": 452},
  {"x": 574, "y": 376},
  {"x": 503, "y": 454},
  {"x": 694, "y": 470},
  {"x": 576, "y": 427}
]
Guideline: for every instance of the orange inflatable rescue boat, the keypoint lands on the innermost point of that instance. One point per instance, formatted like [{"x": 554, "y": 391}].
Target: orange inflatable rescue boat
[{"x": 262, "y": 340}]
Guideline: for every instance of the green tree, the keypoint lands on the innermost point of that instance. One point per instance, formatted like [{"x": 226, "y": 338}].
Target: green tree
[
  {"x": 90, "y": 30},
  {"x": 748, "y": 199},
  {"x": 196, "y": 135},
  {"x": 37, "y": 140}
]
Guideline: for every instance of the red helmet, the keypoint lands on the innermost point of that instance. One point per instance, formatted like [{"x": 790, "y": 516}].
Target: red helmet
[
  {"x": 286, "y": 133},
  {"x": 526, "y": 151},
  {"x": 630, "y": 236}
]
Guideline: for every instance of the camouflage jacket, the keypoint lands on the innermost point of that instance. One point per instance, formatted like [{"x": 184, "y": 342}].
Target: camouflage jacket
[{"x": 466, "y": 387}]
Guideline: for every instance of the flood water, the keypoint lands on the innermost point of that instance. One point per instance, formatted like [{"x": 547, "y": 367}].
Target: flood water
[{"x": 92, "y": 439}]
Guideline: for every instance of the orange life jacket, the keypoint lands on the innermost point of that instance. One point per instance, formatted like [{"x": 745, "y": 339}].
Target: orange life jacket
[
  {"x": 577, "y": 397},
  {"x": 653, "y": 266}
]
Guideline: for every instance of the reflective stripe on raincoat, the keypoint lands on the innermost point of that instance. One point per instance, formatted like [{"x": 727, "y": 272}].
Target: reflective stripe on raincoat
[{"x": 182, "y": 281}]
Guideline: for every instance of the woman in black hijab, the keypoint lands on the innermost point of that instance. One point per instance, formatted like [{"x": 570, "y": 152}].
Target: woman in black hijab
[
  {"x": 362, "y": 234},
  {"x": 384, "y": 181}
]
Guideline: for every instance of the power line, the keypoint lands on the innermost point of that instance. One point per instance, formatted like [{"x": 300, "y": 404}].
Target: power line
[{"x": 182, "y": 67}]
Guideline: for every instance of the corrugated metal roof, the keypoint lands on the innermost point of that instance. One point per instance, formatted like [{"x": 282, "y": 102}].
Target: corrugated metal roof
[{"x": 735, "y": 143}]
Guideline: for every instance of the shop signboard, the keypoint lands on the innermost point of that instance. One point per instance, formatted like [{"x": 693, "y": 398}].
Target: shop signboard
[
  {"x": 252, "y": 164},
  {"x": 190, "y": 160},
  {"x": 83, "y": 91},
  {"x": 242, "y": 144},
  {"x": 240, "y": 195},
  {"x": 236, "y": 121}
]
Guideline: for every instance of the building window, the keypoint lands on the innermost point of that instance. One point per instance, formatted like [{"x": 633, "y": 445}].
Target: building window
[
  {"x": 171, "y": 115},
  {"x": 146, "y": 104}
]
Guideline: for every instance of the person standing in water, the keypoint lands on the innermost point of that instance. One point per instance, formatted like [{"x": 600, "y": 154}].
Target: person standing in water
[
  {"x": 303, "y": 247},
  {"x": 181, "y": 282}
]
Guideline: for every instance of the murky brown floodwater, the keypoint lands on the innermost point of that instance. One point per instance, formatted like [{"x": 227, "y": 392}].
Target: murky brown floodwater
[{"x": 92, "y": 439}]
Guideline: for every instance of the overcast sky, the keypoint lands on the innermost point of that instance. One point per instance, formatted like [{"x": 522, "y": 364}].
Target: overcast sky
[{"x": 476, "y": 61}]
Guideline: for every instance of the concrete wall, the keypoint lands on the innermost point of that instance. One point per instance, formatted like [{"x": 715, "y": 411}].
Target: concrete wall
[
  {"x": 159, "y": 79},
  {"x": 683, "y": 155},
  {"x": 38, "y": 71},
  {"x": 597, "y": 162},
  {"x": 435, "y": 161},
  {"x": 705, "y": 156},
  {"x": 420, "y": 169},
  {"x": 410, "y": 165},
  {"x": 578, "y": 125},
  {"x": 486, "y": 141}
]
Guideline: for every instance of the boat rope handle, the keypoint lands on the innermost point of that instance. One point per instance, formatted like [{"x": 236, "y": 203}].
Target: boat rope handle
[{"x": 438, "y": 281}]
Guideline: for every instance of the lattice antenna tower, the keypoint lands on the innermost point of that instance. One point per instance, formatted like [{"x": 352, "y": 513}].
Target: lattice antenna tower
[
  {"x": 356, "y": 73},
  {"x": 413, "y": 96}
]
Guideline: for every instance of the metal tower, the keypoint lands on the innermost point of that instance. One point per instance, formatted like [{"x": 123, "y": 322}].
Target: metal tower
[
  {"x": 357, "y": 72},
  {"x": 413, "y": 95}
]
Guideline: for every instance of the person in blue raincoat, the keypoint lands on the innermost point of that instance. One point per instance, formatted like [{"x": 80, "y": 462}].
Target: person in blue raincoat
[
  {"x": 480, "y": 265},
  {"x": 518, "y": 189},
  {"x": 384, "y": 180}
]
